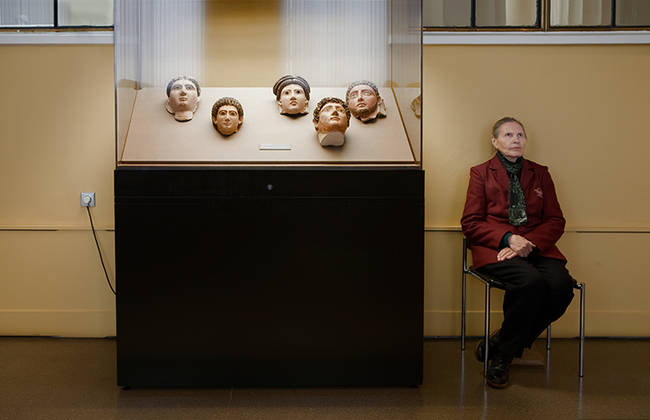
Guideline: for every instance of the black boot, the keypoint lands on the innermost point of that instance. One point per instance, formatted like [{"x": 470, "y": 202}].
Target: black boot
[
  {"x": 480, "y": 347},
  {"x": 498, "y": 372}
]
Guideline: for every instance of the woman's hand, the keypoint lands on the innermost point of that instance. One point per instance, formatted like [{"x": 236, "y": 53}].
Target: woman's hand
[
  {"x": 506, "y": 254},
  {"x": 520, "y": 245}
]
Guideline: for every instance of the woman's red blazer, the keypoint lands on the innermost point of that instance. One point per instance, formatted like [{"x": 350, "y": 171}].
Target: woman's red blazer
[{"x": 485, "y": 218}]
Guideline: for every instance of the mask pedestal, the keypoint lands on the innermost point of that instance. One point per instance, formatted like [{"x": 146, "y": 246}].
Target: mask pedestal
[
  {"x": 294, "y": 114},
  {"x": 333, "y": 138},
  {"x": 181, "y": 115}
]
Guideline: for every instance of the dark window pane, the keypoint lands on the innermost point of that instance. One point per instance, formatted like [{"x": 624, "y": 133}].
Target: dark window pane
[
  {"x": 506, "y": 12},
  {"x": 633, "y": 12},
  {"x": 581, "y": 13},
  {"x": 447, "y": 13}
]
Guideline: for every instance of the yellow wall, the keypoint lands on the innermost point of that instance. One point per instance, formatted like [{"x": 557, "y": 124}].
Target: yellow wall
[
  {"x": 56, "y": 140},
  {"x": 586, "y": 115},
  {"x": 585, "y": 108}
]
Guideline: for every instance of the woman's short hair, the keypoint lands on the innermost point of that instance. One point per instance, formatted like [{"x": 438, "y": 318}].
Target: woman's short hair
[
  {"x": 504, "y": 120},
  {"x": 290, "y": 80}
]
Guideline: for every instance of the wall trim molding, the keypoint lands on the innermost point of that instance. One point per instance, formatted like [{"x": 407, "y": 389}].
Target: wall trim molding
[
  {"x": 439, "y": 228},
  {"x": 52, "y": 228},
  {"x": 536, "y": 38},
  {"x": 40, "y": 38},
  {"x": 571, "y": 229}
]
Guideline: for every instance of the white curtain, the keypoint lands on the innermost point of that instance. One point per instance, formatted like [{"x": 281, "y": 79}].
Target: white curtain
[
  {"x": 580, "y": 12},
  {"x": 506, "y": 12},
  {"x": 520, "y": 13},
  {"x": 317, "y": 49},
  {"x": 127, "y": 40},
  {"x": 159, "y": 39},
  {"x": 446, "y": 12}
]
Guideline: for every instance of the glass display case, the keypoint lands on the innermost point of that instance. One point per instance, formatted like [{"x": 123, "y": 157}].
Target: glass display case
[
  {"x": 240, "y": 49},
  {"x": 271, "y": 254}
]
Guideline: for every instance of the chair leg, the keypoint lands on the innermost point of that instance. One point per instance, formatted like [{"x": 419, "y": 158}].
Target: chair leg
[
  {"x": 548, "y": 337},
  {"x": 582, "y": 327},
  {"x": 487, "y": 330},
  {"x": 462, "y": 313}
]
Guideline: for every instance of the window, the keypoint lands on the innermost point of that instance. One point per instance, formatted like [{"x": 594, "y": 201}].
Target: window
[
  {"x": 600, "y": 13},
  {"x": 536, "y": 15},
  {"x": 482, "y": 14},
  {"x": 56, "y": 14}
]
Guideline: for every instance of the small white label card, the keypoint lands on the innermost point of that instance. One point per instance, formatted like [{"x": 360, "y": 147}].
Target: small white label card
[{"x": 269, "y": 146}]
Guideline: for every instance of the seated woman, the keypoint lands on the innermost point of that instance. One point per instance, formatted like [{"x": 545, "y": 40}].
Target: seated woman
[{"x": 512, "y": 219}]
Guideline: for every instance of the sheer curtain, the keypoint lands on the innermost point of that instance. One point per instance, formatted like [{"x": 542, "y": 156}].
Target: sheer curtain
[
  {"x": 633, "y": 12},
  {"x": 447, "y": 12},
  {"x": 580, "y": 12},
  {"x": 506, "y": 12},
  {"x": 316, "y": 48},
  {"x": 159, "y": 39},
  {"x": 329, "y": 42}
]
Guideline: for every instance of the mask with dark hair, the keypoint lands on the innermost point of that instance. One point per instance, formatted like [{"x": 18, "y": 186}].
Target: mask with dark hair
[
  {"x": 227, "y": 115},
  {"x": 292, "y": 95},
  {"x": 183, "y": 96},
  {"x": 364, "y": 101}
]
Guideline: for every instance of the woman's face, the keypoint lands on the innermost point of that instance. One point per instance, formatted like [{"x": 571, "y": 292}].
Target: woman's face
[
  {"x": 183, "y": 96},
  {"x": 511, "y": 141},
  {"x": 292, "y": 100}
]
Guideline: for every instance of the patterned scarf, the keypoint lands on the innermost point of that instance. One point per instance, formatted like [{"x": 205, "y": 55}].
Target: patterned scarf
[{"x": 517, "y": 208}]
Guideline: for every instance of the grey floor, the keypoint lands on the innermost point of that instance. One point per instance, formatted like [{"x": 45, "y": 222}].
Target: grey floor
[{"x": 49, "y": 378}]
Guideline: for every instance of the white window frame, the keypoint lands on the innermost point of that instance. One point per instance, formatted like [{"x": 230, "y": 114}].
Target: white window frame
[
  {"x": 65, "y": 37},
  {"x": 536, "y": 38}
]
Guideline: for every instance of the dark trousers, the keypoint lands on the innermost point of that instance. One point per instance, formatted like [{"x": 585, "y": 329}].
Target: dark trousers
[{"x": 538, "y": 291}]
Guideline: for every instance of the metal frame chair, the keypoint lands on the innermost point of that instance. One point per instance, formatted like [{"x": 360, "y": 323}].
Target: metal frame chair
[{"x": 491, "y": 282}]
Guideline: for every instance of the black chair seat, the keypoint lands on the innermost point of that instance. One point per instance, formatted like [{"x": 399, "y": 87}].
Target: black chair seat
[{"x": 492, "y": 281}]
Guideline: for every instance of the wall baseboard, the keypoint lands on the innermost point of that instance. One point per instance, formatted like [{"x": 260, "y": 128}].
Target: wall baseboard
[
  {"x": 101, "y": 323},
  {"x": 57, "y": 322},
  {"x": 597, "y": 323}
]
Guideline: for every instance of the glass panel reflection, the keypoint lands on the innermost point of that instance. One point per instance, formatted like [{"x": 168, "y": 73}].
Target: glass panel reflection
[
  {"x": 581, "y": 13},
  {"x": 506, "y": 13},
  {"x": 447, "y": 13}
]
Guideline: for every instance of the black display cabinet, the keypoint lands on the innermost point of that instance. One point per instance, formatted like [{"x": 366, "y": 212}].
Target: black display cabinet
[{"x": 305, "y": 277}]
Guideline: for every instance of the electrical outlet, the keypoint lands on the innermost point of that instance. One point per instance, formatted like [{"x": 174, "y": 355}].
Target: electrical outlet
[{"x": 87, "y": 199}]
